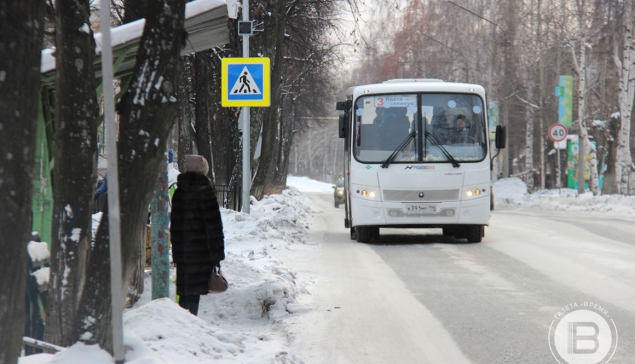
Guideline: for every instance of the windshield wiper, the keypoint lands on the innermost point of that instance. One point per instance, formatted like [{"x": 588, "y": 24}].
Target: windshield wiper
[
  {"x": 445, "y": 152},
  {"x": 399, "y": 149}
]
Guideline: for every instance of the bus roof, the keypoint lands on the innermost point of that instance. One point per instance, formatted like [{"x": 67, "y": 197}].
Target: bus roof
[{"x": 414, "y": 85}]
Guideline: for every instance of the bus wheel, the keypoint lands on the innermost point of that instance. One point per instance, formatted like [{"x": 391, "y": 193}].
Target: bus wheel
[
  {"x": 365, "y": 234},
  {"x": 475, "y": 233},
  {"x": 450, "y": 231}
]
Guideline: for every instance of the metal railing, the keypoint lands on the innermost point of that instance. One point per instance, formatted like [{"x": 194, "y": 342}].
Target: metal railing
[
  {"x": 100, "y": 202},
  {"x": 229, "y": 196}
]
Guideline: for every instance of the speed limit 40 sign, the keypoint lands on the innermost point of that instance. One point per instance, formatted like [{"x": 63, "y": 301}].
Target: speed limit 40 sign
[{"x": 557, "y": 132}]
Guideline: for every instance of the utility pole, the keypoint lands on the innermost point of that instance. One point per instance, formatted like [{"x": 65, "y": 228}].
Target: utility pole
[
  {"x": 114, "y": 215},
  {"x": 246, "y": 116}
]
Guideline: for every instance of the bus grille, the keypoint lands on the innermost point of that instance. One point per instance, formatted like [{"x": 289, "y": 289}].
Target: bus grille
[{"x": 428, "y": 195}]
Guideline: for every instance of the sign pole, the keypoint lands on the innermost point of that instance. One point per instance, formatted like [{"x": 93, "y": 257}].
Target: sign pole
[
  {"x": 557, "y": 133},
  {"x": 114, "y": 218},
  {"x": 245, "y": 83},
  {"x": 246, "y": 115},
  {"x": 559, "y": 176}
]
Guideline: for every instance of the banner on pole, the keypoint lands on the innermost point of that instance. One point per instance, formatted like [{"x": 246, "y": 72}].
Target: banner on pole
[{"x": 564, "y": 92}]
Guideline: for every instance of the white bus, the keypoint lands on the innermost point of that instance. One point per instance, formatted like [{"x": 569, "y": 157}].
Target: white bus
[{"x": 417, "y": 155}]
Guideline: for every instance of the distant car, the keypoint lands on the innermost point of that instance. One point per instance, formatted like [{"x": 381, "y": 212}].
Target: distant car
[{"x": 338, "y": 193}]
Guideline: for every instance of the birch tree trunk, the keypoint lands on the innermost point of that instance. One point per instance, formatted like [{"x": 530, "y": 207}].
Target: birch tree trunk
[
  {"x": 580, "y": 65},
  {"x": 594, "y": 185},
  {"x": 529, "y": 141},
  {"x": 626, "y": 67},
  {"x": 541, "y": 96}
]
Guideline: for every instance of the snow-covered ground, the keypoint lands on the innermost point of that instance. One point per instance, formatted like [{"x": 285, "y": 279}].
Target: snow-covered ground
[
  {"x": 512, "y": 193},
  {"x": 245, "y": 324}
]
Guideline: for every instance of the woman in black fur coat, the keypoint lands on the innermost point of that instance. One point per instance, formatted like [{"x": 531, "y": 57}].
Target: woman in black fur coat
[{"x": 196, "y": 231}]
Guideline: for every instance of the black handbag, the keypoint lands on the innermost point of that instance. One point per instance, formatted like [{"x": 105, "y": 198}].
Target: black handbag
[{"x": 217, "y": 282}]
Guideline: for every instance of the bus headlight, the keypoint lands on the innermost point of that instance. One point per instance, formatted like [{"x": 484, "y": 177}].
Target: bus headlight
[
  {"x": 369, "y": 193},
  {"x": 475, "y": 192}
]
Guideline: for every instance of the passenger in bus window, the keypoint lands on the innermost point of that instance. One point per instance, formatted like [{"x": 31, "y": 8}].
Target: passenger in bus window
[
  {"x": 402, "y": 120},
  {"x": 379, "y": 111},
  {"x": 394, "y": 128},
  {"x": 461, "y": 134}
]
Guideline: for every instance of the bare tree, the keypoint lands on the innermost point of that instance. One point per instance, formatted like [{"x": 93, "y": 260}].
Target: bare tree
[
  {"x": 186, "y": 132},
  {"x": 76, "y": 116},
  {"x": 582, "y": 15},
  {"x": 21, "y": 34},
  {"x": 224, "y": 129},
  {"x": 147, "y": 112},
  {"x": 516, "y": 49},
  {"x": 273, "y": 47},
  {"x": 133, "y": 10},
  {"x": 203, "y": 71},
  {"x": 308, "y": 65},
  {"x": 626, "y": 69}
]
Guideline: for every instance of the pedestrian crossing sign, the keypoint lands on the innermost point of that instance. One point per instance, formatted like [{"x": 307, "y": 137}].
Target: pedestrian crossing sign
[{"x": 245, "y": 82}]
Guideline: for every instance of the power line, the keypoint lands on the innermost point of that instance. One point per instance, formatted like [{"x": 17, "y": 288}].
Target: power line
[{"x": 473, "y": 13}]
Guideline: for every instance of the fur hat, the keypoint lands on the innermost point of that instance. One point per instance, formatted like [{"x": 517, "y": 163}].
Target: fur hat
[{"x": 196, "y": 163}]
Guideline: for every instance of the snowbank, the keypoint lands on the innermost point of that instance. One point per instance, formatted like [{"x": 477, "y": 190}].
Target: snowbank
[
  {"x": 241, "y": 325},
  {"x": 512, "y": 193}
]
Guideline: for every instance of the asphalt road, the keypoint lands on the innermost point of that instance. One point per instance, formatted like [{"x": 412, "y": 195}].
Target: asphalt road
[{"x": 414, "y": 296}]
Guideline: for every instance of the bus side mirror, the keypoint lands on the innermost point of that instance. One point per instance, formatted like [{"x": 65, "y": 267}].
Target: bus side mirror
[
  {"x": 501, "y": 136},
  {"x": 342, "y": 126},
  {"x": 343, "y": 105}
]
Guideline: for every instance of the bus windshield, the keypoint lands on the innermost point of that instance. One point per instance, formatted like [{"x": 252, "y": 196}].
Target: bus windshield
[{"x": 451, "y": 121}]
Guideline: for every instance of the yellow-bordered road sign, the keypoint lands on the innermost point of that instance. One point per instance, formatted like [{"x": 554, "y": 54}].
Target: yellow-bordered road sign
[{"x": 245, "y": 82}]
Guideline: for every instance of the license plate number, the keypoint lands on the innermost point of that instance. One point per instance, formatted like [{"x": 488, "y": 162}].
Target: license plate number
[{"x": 421, "y": 208}]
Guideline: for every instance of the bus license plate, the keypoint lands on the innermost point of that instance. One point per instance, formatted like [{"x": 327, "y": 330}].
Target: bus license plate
[{"x": 421, "y": 208}]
